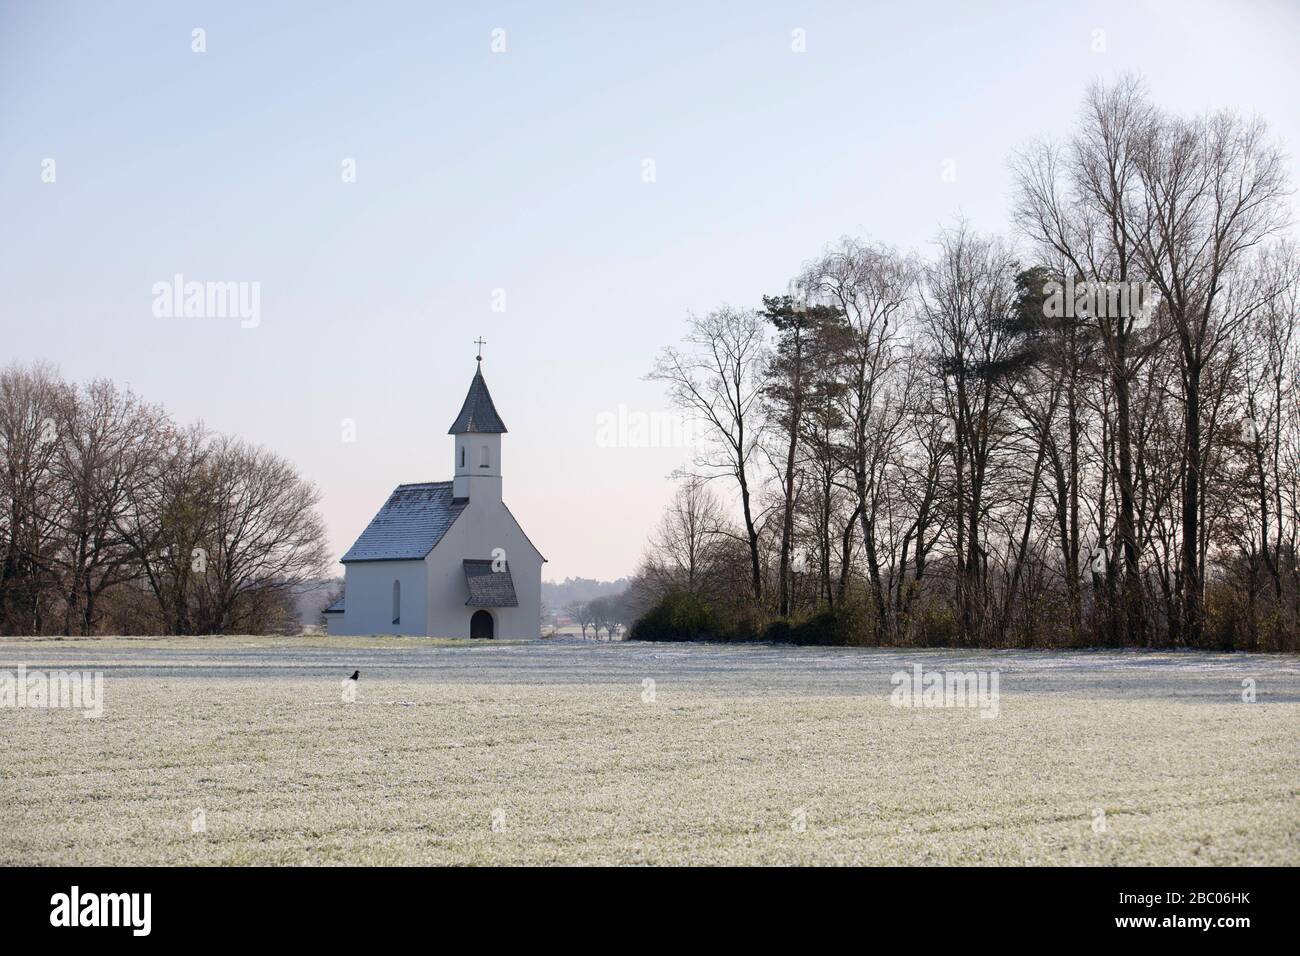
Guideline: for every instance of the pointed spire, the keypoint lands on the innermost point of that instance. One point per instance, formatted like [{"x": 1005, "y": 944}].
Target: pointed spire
[{"x": 478, "y": 415}]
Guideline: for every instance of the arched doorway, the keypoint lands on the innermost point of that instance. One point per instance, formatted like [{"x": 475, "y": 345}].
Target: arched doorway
[{"x": 480, "y": 625}]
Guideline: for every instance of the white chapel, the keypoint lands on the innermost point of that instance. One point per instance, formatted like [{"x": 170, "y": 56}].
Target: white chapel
[{"x": 446, "y": 558}]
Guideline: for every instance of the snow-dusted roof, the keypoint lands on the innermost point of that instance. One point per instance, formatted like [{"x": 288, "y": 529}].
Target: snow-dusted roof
[
  {"x": 488, "y": 588},
  {"x": 409, "y": 525},
  {"x": 478, "y": 415}
]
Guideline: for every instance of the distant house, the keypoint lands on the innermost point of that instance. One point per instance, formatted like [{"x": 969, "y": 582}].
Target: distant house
[{"x": 446, "y": 558}]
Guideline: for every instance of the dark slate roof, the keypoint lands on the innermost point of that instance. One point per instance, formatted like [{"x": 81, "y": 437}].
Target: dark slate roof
[
  {"x": 488, "y": 588},
  {"x": 335, "y": 608},
  {"x": 478, "y": 415},
  {"x": 409, "y": 525}
]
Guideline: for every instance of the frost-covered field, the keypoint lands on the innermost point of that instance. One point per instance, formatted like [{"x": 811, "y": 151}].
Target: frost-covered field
[{"x": 534, "y": 753}]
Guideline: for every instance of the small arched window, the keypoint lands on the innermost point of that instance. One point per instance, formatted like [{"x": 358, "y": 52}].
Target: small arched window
[
  {"x": 397, "y": 602},
  {"x": 483, "y": 458}
]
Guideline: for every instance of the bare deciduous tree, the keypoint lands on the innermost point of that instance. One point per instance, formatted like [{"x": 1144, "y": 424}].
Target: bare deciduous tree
[
  {"x": 107, "y": 503},
  {"x": 717, "y": 378}
]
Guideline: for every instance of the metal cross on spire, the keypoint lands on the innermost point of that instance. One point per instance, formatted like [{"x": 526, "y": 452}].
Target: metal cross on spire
[{"x": 480, "y": 343}]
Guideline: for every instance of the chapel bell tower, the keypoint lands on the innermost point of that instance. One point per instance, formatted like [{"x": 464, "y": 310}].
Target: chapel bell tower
[{"x": 478, "y": 430}]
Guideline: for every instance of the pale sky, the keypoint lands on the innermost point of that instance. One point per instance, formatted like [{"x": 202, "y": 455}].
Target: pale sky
[{"x": 519, "y": 171}]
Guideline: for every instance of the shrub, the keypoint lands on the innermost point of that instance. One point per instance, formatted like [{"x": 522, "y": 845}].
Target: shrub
[
  {"x": 779, "y": 632},
  {"x": 831, "y": 627},
  {"x": 679, "y": 616},
  {"x": 684, "y": 617},
  {"x": 936, "y": 626},
  {"x": 745, "y": 629},
  {"x": 828, "y": 627}
]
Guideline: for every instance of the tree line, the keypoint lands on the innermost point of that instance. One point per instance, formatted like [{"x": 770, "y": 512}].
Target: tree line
[
  {"x": 1087, "y": 434},
  {"x": 610, "y": 613},
  {"x": 115, "y": 519}
]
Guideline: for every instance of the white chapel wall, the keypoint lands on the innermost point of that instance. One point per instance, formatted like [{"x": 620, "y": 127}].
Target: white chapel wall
[
  {"x": 368, "y": 597},
  {"x": 480, "y": 528}
]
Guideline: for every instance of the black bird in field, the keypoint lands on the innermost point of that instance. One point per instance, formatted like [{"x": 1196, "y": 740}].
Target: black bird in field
[{"x": 356, "y": 675}]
